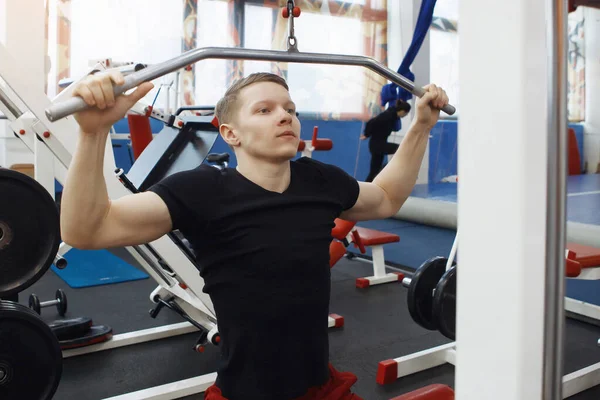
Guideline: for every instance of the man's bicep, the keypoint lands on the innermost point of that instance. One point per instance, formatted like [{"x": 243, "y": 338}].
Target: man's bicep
[
  {"x": 372, "y": 203},
  {"x": 134, "y": 219}
]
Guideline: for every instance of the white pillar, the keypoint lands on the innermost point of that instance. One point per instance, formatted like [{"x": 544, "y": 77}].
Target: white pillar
[
  {"x": 503, "y": 171},
  {"x": 23, "y": 30}
]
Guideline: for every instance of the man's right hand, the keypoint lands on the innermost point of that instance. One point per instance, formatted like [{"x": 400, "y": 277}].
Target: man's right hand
[{"x": 97, "y": 91}]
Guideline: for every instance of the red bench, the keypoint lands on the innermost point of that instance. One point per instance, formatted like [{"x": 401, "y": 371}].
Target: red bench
[
  {"x": 582, "y": 261},
  {"x": 365, "y": 237}
]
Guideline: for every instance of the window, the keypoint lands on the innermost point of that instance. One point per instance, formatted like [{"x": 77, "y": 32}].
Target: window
[
  {"x": 576, "y": 67},
  {"x": 143, "y": 31},
  {"x": 328, "y": 88},
  {"x": 153, "y": 31},
  {"x": 211, "y": 74},
  {"x": 443, "y": 48},
  {"x": 258, "y": 34}
]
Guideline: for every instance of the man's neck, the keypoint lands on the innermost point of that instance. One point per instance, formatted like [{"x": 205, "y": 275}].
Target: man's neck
[{"x": 271, "y": 176}]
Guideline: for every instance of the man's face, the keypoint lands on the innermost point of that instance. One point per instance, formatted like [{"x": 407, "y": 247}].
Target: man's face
[{"x": 265, "y": 123}]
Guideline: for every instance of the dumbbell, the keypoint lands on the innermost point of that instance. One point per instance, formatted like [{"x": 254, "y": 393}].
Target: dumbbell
[
  {"x": 60, "y": 302},
  {"x": 432, "y": 296}
]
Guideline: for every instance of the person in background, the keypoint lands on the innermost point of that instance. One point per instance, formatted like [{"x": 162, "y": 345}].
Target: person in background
[{"x": 379, "y": 128}]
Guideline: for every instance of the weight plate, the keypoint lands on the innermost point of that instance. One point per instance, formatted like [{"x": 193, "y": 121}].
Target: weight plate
[
  {"x": 61, "y": 306},
  {"x": 29, "y": 231},
  {"x": 30, "y": 356},
  {"x": 444, "y": 304},
  {"x": 70, "y": 328},
  {"x": 420, "y": 291},
  {"x": 96, "y": 334}
]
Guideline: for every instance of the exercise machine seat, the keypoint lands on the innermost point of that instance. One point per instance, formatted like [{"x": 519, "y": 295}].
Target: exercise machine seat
[
  {"x": 587, "y": 256},
  {"x": 371, "y": 237},
  {"x": 342, "y": 228}
]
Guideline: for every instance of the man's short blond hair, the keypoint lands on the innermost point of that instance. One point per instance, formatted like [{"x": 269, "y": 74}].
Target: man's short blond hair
[{"x": 227, "y": 106}]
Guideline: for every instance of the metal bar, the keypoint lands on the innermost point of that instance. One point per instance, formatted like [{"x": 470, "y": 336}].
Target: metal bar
[
  {"x": 12, "y": 107},
  {"x": 75, "y": 104},
  {"x": 556, "y": 199}
]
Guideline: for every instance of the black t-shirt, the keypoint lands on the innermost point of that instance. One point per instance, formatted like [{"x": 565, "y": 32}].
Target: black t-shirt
[
  {"x": 264, "y": 257},
  {"x": 382, "y": 125}
]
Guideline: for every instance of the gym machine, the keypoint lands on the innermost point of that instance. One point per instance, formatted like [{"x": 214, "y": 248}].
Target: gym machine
[
  {"x": 47, "y": 127},
  {"x": 431, "y": 299}
]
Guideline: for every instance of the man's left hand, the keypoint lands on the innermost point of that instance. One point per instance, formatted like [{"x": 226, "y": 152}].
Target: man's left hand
[{"x": 429, "y": 106}]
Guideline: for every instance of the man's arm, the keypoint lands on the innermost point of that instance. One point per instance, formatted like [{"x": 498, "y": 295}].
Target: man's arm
[
  {"x": 389, "y": 190},
  {"x": 89, "y": 219}
]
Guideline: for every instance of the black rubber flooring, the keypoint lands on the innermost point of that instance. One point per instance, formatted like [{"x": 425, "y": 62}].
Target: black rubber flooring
[{"x": 377, "y": 327}]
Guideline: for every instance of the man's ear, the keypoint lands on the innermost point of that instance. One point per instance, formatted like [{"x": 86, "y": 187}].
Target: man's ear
[{"x": 229, "y": 135}]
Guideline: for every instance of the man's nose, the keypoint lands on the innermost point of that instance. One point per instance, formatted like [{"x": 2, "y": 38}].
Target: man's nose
[{"x": 286, "y": 118}]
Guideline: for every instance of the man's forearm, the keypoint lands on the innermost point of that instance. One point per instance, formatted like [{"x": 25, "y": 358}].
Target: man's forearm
[
  {"x": 399, "y": 176},
  {"x": 84, "y": 201}
]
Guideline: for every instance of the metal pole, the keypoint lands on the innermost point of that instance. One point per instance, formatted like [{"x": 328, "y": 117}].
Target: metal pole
[
  {"x": 12, "y": 107},
  {"x": 556, "y": 200},
  {"x": 74, "y": 104}
]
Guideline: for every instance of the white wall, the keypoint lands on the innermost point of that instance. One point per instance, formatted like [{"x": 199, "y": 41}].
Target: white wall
[
  {"x": 22, "y": 29},
  {"x": 592, "y": 89}
]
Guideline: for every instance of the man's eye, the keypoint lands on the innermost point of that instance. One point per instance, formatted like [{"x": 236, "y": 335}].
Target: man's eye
[
  {"x": 292, "y": 111},
  {"x": 263, "y": 110}
]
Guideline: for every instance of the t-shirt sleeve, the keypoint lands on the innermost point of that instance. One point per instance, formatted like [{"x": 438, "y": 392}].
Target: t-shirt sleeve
[
  {"x": 344, "y": 186},
  {"x": 180, "y": 192}
]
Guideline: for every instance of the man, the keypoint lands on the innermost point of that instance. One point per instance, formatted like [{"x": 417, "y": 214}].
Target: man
[
  {"x": 379, "y": 129},
  {"x": 261, "y": 231}
]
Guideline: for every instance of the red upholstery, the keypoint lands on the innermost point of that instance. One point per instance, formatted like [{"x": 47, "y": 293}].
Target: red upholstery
[
  {"x": 574, "y": 156},
  {"x": 573, "y": 268},
  {"x": 336, "y": 252},
  {"x": 431, "y": 392},
  {"x": 587, "y": 256},
  {"x": 342, "y": 228},
  {"x": 140, "y": 133},
  {"x": 322, "y": 144},
  {"x": 371, "y": 237}
]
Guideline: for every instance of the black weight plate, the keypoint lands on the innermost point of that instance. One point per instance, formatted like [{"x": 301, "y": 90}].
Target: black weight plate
[
  {"x": 444, "y": 304},
  {"x": 61, "y": 307},
  {"x": 30, "y": 356},
  {"x": 65, "y": 329},
  {"x": 420, "y": 291},
  {"x": 96, "y": 334},
  {"x": 29, "y": 231}
]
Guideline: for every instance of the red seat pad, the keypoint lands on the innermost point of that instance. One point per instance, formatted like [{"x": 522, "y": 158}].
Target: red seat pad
[
  {"x": 371, "y": 237},
  {"x": 587, "y": 256},
  {"x": 573, "y": 268},
  {"x": 342, "y": 228},
  {"x": 336, "y": 252}
]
